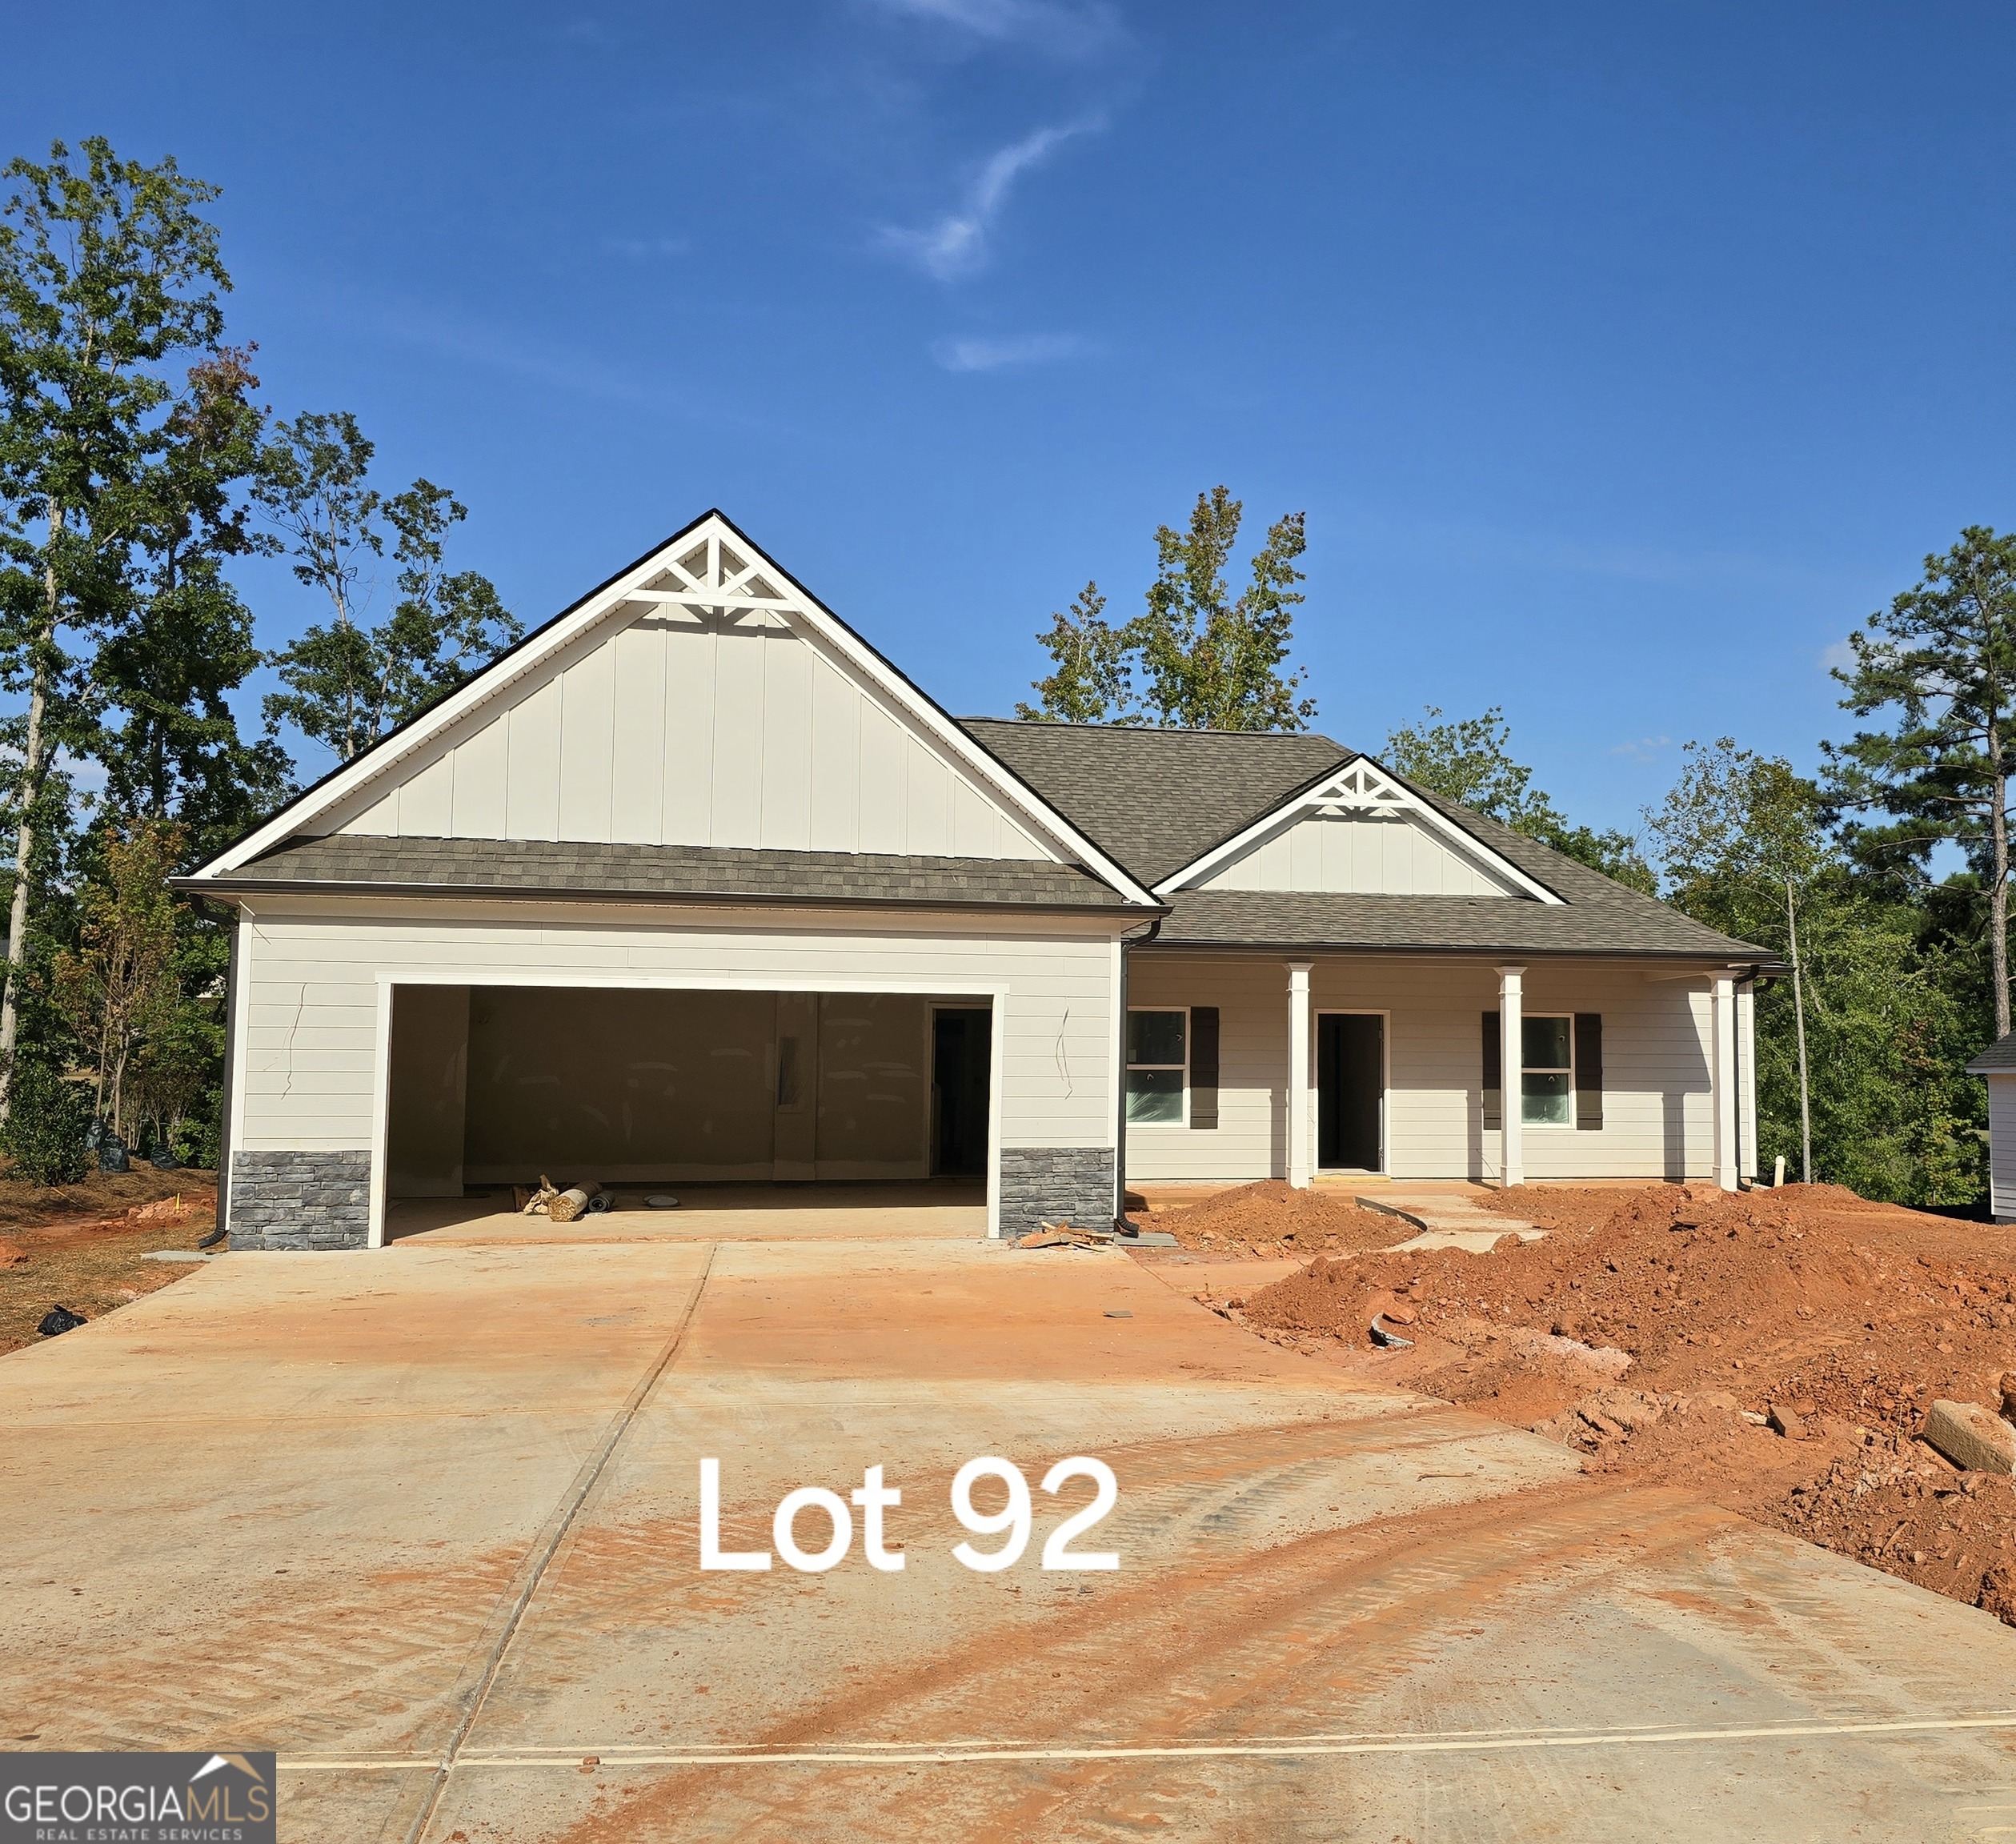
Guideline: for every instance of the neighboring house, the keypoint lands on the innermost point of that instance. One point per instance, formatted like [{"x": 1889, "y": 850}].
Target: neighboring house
[
  {"x": 1998, "y": 1062},
  {"x": 693, "y": 884}
]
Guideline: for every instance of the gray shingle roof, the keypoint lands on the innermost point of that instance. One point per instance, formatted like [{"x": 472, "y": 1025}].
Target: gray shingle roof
[
  {"x": 1155, "y": 799},
  {"x": 1288, "y": 919},
  {"x": 1998, "y": 1058},
  {"x": 1159, "y": 799},
  {"x": 530, "y": 867}
]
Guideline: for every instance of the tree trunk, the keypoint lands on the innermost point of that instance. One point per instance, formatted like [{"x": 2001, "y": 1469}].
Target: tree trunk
[
  {"x": 29, "y": 789},
  {"x": 1799, "y": 1014}
]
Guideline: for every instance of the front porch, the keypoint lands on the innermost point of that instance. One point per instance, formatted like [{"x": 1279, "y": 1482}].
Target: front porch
[{"x": 1243, "y": 1066}]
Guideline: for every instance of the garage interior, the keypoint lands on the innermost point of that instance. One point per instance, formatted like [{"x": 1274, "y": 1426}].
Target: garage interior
[{"x": 787, "y": 1101}]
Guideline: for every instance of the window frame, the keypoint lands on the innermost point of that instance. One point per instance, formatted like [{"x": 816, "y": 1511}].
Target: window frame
[
  {"x": 1567, "y": 1069},
  {"x": 1129, "y": 1066}
]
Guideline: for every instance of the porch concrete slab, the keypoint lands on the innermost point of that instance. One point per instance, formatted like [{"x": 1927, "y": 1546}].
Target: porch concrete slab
[{"x": 427, "y": 1522}]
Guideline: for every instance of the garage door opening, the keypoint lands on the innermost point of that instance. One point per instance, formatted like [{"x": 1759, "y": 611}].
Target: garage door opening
[{"x": 767, "y": 1100}]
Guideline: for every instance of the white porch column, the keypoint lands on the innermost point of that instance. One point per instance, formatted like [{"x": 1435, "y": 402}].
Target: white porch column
[
  {"x": 1721, "y": 1074},
  {"x": 1299, "y": 1159},
  {"x": 1746, "y": 1081},
  {"x": 1511, "y": 1087}
]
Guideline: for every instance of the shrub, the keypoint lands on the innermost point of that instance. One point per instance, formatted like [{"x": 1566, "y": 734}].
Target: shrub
[{"x": 47, "y": 1124}]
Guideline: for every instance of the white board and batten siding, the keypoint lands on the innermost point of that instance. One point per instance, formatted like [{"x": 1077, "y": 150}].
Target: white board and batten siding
[
  {"x": 683, "y": 730},
  {"x": 312, "y": 981},
  {"x": 2001, "y": 1147},
  {"x": 1657, "y": 1118},
  {"x": 1392, "y": 856}
]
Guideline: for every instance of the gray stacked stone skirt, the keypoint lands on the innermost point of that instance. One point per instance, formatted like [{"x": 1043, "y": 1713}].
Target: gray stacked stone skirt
[
  {"x": 1056, "y": 1185},
  {"x": 300, "y": 1199}
]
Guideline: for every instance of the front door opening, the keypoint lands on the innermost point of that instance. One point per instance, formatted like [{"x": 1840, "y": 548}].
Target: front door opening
[
  {"x": 961, "y": 1042},
  {"x": 1350, "y": 1090}
]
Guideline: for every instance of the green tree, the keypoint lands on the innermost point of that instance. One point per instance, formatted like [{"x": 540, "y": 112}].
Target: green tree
[
  {"x": 1204, "y": 660},
  {"x": 185, "y": 641},
  {"x": 1093, "y": 679},
  {"x": 1470, "y": 761},
  {"x": 1208, "y": 662},
  {"x": 1940, "y": 662},
  {"x": 1739, "y": 838},
  {"x": 118, "y": 987},
  {"x": 106, "y": 273},
  {"x": 347, "y": 683},
  {"x": 1859, "y": 1055}
]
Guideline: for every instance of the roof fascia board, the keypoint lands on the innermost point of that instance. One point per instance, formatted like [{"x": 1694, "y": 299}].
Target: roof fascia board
[
  {"x": 1325, "y": 791},
  {"x": 344, "y": 782},
  {"x": 1760, "y": 968},
  {"x": 232, "y": 886}
]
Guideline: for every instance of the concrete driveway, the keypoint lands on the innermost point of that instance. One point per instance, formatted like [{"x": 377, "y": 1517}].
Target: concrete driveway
[{"x": 425, "y": 1521}]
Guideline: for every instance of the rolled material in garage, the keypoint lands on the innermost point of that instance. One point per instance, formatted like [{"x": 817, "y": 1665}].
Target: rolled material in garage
[{"x": 573, "y": 1202}]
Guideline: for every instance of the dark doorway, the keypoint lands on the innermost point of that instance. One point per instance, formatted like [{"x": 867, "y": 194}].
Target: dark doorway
[
  {"x": 1350, "y": 1087},
  {"x": 961, "y": 1045}
]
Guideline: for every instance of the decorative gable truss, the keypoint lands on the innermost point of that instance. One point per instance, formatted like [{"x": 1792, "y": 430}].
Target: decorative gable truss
[
  {"x": 1359, "y": 832},
  {"x": 701, "y": 698}
]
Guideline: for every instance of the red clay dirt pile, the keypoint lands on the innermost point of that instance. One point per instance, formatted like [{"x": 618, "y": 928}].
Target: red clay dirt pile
[
  {"x": 1272, "y": 1221},
  {"x": 1775, "y": 1350}
]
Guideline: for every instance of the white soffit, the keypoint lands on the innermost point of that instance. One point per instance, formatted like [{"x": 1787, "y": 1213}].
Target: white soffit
[
  {"x": 710, "y": 568},
  {"x": 1359, "y": 790}
]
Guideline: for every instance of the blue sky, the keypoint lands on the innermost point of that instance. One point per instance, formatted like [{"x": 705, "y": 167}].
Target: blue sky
[{"x": 1623, "y": 358}]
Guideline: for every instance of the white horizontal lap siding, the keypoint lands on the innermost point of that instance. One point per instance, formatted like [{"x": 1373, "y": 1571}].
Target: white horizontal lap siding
[
  {"x": 311, "y": 1023},
  {"x": 669, "y": 730},
  {"x": 2001, "y": 1145},
  {"x": 1657, "y": 1116},
  {"x": 1251, "y": 1139}
]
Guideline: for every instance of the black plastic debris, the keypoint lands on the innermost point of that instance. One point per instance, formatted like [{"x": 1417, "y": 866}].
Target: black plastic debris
[
  {"x": 59, "y": 1319},
  {"x": 112, "y": 1153},
  {"x": 164, "y": 1160}
]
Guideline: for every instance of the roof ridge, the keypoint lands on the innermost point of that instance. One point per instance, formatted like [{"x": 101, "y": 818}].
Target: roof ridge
[{"x": 1159, "y": 729}]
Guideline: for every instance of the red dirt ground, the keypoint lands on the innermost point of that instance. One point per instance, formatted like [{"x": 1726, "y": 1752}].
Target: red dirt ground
[
  {"x": 1653, "y": 1329},
  {"x": 83, "y": 1246}
]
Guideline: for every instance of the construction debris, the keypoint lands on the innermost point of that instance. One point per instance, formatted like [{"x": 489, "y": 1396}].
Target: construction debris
[
  {"x": 59, "y": 1320},
  {"x": 1063, "y": 1236},
  {"x": 1972, "y": 1438}
]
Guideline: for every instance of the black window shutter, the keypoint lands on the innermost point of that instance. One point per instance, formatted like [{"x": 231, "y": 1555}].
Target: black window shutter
[
  {"x": 1493, "y": 1078},
  {"x": 1204, "y": 1066},
  {"x": 1588, "y": 1071}
]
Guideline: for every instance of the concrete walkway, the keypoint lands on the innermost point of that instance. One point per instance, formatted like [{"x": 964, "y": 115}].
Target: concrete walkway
[
  {"x": 426, "y": 1522},
  {"x": 1450, "y": 1216}
]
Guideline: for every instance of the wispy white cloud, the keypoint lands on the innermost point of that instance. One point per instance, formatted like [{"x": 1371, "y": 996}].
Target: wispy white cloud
[
  {"x": 1055, "y": 26},
  {"x": 1641, "y": 748},
  {"x": 956, "y": 244},
  {"x": 1839, "y": 657},
  {"x": 975, "y": 352}
]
